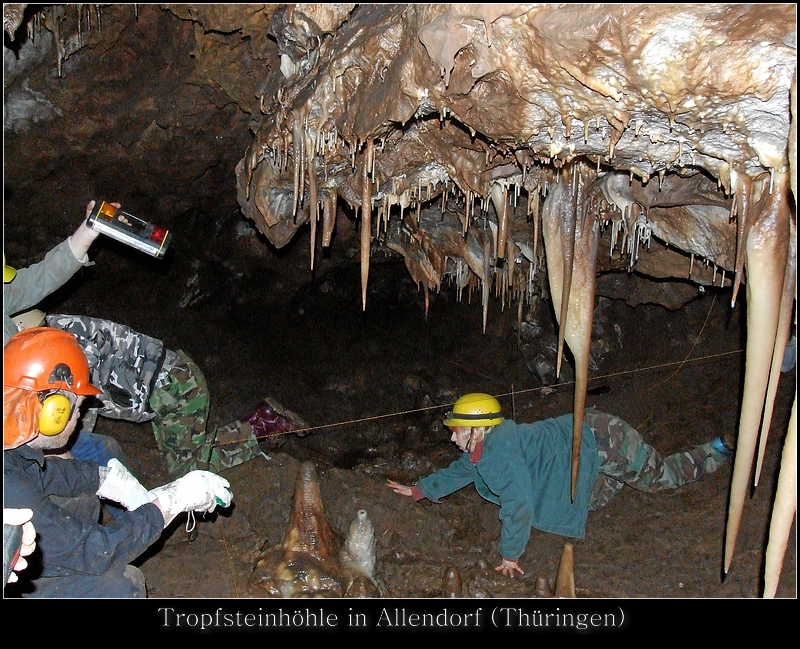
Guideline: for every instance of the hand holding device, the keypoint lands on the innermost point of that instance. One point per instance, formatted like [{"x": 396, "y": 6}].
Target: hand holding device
[{"x": 109, "y": 219}]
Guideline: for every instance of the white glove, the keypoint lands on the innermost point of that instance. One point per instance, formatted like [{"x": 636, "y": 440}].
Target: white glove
[
  {"x": 196, "y": 491},
  {"x": 83, "y": 238},
  {"x": 121, "y": 486}
]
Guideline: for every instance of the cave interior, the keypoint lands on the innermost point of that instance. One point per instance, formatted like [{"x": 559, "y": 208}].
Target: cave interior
[{"x": 433, "y": 189}]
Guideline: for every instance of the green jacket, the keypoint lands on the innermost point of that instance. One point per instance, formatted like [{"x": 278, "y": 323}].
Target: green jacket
[{"x": 525, "y": 468}]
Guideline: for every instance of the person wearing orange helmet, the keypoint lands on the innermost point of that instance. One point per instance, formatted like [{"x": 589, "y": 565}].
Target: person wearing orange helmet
[
  {"x": 526, "y": 468},
  {"x": 140, "y": 379},
  {"x": 45, "y": 380},
  {"x": 25, "y": 287}
]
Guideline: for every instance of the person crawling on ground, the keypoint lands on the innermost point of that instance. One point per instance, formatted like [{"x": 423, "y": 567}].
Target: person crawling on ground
[{"x": 526, "y": 469}]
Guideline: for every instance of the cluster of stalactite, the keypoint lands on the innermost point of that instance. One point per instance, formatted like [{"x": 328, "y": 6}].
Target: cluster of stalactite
[{"x": 70, "y": 25}]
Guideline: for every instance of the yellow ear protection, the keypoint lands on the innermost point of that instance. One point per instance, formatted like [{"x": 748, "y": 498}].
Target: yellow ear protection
[
  {"x": 57, "y": 405},
  {"x": 56, "y": 412}
]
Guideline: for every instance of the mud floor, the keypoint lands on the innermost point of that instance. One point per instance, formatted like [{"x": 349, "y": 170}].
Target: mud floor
[{"x": 373, "y": 387}]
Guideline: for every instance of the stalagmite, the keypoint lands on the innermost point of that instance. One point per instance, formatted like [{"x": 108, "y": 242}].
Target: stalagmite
[
  {"x": 313, "y": 559},
  {"x": 542, "y": 588},
  {"x": 765, "y": 265},
  {"x": 451, "y": 583},
  {"x": 308, "y": 530},
  {"x": 565, "y": 578}
]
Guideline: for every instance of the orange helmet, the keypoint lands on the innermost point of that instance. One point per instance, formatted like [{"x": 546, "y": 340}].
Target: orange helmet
[{"x": 43, "y": 358}]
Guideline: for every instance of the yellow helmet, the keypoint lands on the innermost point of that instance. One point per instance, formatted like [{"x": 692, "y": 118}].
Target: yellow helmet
[
  {"x": 475, "y": 409},
  {"x": 29, "y": 319},
  {"x": 8, "y": 272}
]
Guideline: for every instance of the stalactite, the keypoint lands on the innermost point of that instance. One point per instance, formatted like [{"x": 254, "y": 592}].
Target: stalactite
[
  {"x": 570, "y": 228},
  {"x": 567, "y": 242},
  {"x": 498, "y": 197},
  {"x": 487, "y": 284},
  {"x": 250, "y": 156},
  {"x": 743, "y": 191},
  {"x": 366, "y": 219},
  {"x": 578, "y": 327},
  {"x": 297, "y": 146},
  {"x": 788, "y": 229},
  {"x": 765, "y": 265},
  {"x": 784, "y": 509},
  {"x": 313, "y": 203},
  {"x": 79, "y": 20},
  {"x": 328, "y": 216},
  {"x": 468, "y": 210}
]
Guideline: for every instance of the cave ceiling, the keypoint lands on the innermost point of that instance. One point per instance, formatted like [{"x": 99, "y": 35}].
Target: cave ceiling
[{"x": 506, "y": 149}]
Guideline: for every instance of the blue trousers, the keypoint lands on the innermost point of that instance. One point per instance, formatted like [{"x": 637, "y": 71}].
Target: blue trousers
[
  {"x": 91, "y": 447},
  {"x": 96, "y": 448}
]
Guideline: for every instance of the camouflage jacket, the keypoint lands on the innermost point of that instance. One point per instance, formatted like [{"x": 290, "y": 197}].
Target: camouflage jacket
[{"x": 123, "y": 363}]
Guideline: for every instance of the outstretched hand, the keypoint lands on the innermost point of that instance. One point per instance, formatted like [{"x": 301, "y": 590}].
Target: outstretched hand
[
  {"x": 398, "y": 488},
  {"x": 198, "y": 490},
  {"x": 508, "y": 568}
]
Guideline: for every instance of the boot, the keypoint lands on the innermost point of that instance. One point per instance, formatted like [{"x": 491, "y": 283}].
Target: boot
[{"x": 724, "y": 445}]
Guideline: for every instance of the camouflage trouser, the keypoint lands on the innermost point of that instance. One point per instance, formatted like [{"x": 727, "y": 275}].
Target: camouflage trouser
[
  {"x": 626, "y": 459},
  {"x": 179, "y": 426}
]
